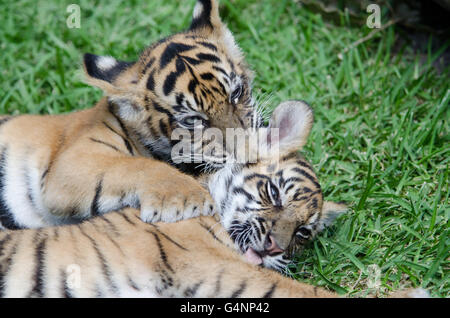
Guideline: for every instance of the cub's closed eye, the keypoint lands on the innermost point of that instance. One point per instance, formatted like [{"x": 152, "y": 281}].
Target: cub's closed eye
[
  {"x": 303, "y": 233},
  {"x": 236, "y": 94},
  {"x": 193, "y": 122},
  {"x": 274, "y": 194}
]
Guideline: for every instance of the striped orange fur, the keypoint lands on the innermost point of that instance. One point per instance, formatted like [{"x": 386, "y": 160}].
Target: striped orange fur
[{"x": 276, "y": 200}]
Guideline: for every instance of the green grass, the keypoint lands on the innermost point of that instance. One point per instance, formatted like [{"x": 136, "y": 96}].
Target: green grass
[{"x": 380, "y": 139}]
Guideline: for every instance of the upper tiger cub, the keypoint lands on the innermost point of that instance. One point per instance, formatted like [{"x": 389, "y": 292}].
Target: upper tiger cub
[
  {"x": 65, "y": 168},
  {"x": 265, "y": 211}
]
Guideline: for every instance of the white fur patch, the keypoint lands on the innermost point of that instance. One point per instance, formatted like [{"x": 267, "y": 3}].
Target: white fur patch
[
  {"x": 16, "y": 191},
  {"x": 198, "y": 10},
  {"x": 105, "y": 63},
  {"x": 230, "y": 43}
]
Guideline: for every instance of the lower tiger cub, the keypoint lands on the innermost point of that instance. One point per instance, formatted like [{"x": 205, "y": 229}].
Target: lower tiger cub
[{"x": 265, "y": 211}]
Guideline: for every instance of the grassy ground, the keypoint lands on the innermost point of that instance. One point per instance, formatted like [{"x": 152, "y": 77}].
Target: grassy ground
[{"x": 380, "y": 141}]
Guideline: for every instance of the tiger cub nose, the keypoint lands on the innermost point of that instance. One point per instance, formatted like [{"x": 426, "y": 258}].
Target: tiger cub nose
[{"x": 271, "y": 247}]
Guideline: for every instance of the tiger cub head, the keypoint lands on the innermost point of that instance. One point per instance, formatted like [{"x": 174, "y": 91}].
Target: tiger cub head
[
  {"x": 193, "y": 79},
  {"x": 274, "y": 206}
]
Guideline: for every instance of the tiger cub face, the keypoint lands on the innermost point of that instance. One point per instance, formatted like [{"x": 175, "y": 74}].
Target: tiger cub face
[
  {"x": 274, "y": 206},
  {"x": 193, "y": 79}
]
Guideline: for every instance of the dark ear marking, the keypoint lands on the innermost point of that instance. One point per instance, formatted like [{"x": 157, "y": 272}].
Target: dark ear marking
[
  {"x": 104, "y": 68},
  {"x": 202, "y": 15}
]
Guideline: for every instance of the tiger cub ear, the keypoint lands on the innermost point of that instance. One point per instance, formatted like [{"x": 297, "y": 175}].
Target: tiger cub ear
[
  {"x": 206, "y": 16},
  {"x": 330, "y": 211},
  {"x": 206, "y": 22},
  {"x": 107, "y": 73},
  {"x": 289, "y": 128}
]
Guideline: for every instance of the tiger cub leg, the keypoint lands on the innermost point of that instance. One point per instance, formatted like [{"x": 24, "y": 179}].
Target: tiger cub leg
[{"x": 100, "y": 183}]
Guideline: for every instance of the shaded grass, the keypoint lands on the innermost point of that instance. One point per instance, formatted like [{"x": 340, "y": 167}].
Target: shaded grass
[{"x": 380, "y": 139}]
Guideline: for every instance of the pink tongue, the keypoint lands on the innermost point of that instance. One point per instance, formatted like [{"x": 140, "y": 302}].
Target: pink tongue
[{"x": 252, "y": 257}]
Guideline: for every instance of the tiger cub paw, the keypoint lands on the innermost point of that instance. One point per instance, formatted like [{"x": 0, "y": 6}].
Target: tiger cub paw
[{"x": 178, "y": 204}]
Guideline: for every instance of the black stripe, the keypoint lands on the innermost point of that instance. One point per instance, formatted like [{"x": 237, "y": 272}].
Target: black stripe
[
  {"x": 208, "y": 57},
  {"x": 95, "y": 208},
  {"x": 38, "y": 289},
  {"x": 6, "y": 216},
  {"x": 127, "y": 219},
  {"x": 261, "y": 222},
  {"x": 4, "y": 269},
  {"x": 162, "y": 253},
  {"x": 207, "y": 228},
  {"x": 112, "y": 227},
  {"x": 291, "y": 179},
  {"x": 171, "y": 79},
  {"x": 223, "y": 92},
  {"x": 167, "y": 238},
  {"x": 221, "y": 70},
  {"x": 207, "y": 76},
  {"x": 44, "y": 175},
  {"x": 117, "y": 245},
  {"x": 112, "y": 129},
  {"x": 233, "y": 73},
  {"x": 288, "y": 188},
  {"x": 106, "y": 144},
  {"x": 125, "y": 140},
  {"x": 122, "y": 126},
  {"x": 152, "y": 129},
  {"x": 289, "y": 156},
  {"x": 257, "y": 231},
  {"x": 270, "y": 292},
  {"x": 151, "y": 81},
  {"x": 66, "y": 291},
  {"x": 255, "y": 175},
  {"x": 307, "y": 175},
  {"x": 239, "y": 190},
  {"x": 29, "y": 187},
  {"x": 132, "y": 284},
  {"x": 192, "y": 291},
  {"x": 148, "y": 65},
  {"x": 304, "y": 164},
  {"x": 218, "y": 283},
  {"x": 208, "y": 45},
  {"x": 171, "y": 51},
  {"x": 238, "y": 292},
  {"x": 161, "y": 109},
  {"x": 128, "y": 145},
  {"x": 192, "y": 85},
  {"x": 191, "y": 60},
  {"x": 313, "y": 204},
  {"x": 106, "y": 271},
  {"x": 163, "y": 128},
  {"x": 111, "y": 109}
]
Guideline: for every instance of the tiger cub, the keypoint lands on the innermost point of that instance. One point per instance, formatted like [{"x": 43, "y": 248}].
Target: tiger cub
[
  {"x": 265, "y": 211},
  {"x": 66, "y": 168}
]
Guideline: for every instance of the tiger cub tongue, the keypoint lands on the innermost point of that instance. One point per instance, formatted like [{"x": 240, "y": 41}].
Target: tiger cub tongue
[{"x": 253, "y": 257}]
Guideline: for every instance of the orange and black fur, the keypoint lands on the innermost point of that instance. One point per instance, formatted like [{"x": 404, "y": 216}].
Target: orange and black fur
[
  {"x": 66, "y": 168},
  {"x": 265, "y": 211}
]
